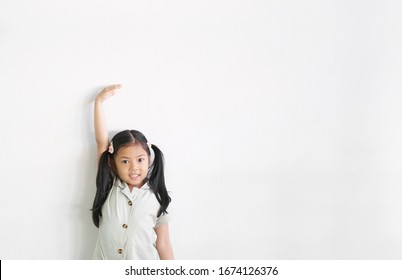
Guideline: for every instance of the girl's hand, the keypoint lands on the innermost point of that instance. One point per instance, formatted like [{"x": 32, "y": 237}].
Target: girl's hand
[{"x": 107, "y": 92}]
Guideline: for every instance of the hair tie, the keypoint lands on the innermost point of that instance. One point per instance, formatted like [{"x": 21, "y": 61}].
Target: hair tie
[
  {"x": 111, "y": 150},
  {"x": 151, "y": 155}
]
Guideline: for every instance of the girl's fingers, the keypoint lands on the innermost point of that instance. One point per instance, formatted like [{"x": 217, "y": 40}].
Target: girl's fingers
[
  {"x": 108, "y": 91},
  {"x": 112, "y": 88},
  {"x": 115, "y": 86}
]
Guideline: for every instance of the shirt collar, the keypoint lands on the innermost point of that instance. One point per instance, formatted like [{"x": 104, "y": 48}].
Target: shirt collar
[{"x": 122, "y": 185}]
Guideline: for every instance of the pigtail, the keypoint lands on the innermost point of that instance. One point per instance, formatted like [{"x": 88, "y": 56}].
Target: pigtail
[
  {"x": 104, "y": 183},
  {"x": 157, "y": 181}
]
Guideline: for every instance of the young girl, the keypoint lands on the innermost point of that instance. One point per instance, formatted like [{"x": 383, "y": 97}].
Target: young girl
[{"x": 131, "y": 201}]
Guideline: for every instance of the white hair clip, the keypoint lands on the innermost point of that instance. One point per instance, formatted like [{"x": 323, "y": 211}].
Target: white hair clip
[
  {"x": 151, "y": 160},
  {"x": 152, "y": 154},
  {"x": 111, "y": 150}
]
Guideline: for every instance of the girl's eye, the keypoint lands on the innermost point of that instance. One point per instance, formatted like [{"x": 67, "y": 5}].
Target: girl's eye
[
  {"x": 124, "y": 161},
  {"x": 141, "y": 160}
]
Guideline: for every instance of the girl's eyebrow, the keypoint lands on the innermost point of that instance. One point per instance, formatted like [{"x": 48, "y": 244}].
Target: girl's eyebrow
[{"x": 124, "y": 156}]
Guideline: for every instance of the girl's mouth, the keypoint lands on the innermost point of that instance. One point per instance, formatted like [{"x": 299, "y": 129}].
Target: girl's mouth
[{"x": 134, "y": 176}]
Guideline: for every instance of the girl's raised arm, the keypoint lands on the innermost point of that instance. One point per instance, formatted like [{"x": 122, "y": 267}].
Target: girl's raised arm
[{"x": 101, "y": 133}]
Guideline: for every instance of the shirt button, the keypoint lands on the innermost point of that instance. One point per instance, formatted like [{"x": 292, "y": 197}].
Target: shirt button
[
  {"x": 130, "y": 203},
  {"x": 125, "y": 226},
  {"x": 120, "y": 251}
]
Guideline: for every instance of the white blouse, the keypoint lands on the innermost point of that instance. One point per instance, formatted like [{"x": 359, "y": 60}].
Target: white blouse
[{"x": 128, "y": 222}]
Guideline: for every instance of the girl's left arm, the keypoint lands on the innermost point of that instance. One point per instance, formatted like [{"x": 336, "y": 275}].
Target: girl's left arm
[{"x": 163, "y": 244}]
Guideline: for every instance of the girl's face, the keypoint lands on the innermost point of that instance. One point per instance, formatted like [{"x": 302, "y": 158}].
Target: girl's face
[{"x": 132, "y": 164}]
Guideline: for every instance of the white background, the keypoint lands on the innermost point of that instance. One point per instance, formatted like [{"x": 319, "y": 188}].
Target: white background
[{"x": 280, "y": 122}]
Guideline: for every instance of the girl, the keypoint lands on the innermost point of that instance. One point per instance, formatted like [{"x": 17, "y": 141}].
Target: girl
[{"x": 131, "y": 201}]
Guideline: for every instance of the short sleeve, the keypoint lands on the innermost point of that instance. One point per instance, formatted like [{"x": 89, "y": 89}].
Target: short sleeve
[{"x": 163, "y": 219}]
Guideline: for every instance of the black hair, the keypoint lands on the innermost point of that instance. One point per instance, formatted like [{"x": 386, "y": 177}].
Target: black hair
[{"x": 106, "y": 172}]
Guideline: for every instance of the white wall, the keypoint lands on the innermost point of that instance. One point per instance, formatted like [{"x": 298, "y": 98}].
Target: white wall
[{"x": 280, "y": 122}]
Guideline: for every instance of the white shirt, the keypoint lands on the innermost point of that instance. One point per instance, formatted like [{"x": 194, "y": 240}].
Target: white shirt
[{"x": 127, "y": 225}]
